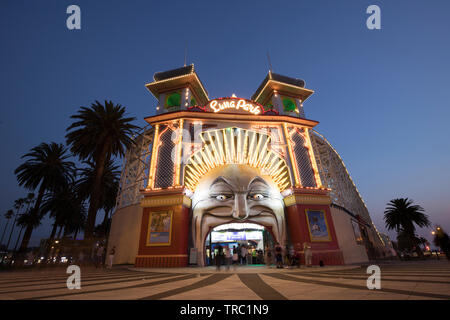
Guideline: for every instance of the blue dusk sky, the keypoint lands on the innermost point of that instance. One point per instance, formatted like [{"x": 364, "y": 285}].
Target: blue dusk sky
[{"x": 381, "y": 96}]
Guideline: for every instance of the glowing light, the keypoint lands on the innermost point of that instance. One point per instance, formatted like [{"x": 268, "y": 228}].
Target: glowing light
[
  {"x": 154, "y": 156},
  {"x": 313, "y": 159},
  {"x": 178, "y": 160},
  {"x": 239, "y": 152},
  {"x": 291, "y": 156},
  {"x": 234, "y": 103}
]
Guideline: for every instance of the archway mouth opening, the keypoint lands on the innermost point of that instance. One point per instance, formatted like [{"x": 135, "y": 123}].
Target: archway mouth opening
[{"x": 235, "y": 235}]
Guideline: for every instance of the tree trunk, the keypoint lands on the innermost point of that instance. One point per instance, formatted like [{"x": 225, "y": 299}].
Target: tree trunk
[
  {"x": 65, "y": 232},
  {"x": 59, "y": 233},
  {"x": 35, "y": 211},
  {"x": 75, "y": 235},
  {"x": 95, "y": 193},
  {"x": 52, "y": 235},
  {"x": 18, "y": 238},
  {"x": 4, "y": 230},
  {"x": 105, "y": 218},
  {"x": 12, "y": 229},
  {"x": 104, "y": 223}
]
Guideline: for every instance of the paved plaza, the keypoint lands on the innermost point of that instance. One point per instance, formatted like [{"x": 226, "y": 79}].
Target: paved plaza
[{"x": 399, "y": 281}]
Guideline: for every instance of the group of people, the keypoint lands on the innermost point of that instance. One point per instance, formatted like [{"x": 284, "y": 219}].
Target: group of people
[
  {"x": 99, "y": 256},
  {"x": 287, "y": 256},
  {"x": 231, "y": 256}
]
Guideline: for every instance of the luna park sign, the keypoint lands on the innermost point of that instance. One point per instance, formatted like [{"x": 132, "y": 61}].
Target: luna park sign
[{"x": 232, "y": 105}]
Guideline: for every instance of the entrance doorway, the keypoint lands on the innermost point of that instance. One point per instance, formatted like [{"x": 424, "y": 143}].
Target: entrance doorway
[{"x": 254, "y": 237}]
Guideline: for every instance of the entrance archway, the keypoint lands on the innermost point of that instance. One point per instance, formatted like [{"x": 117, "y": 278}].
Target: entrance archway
[{"x": 255, "y": 237}]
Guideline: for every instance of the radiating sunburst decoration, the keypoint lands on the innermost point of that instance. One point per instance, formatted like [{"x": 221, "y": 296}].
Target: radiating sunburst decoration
[{"x": 236, "y": 146}]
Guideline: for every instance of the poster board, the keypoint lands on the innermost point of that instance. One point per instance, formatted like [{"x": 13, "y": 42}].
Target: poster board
[{"x": 160, "y": 228}]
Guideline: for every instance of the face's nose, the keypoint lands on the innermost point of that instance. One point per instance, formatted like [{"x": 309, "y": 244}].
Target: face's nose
[{"x": 240, "y": 210}]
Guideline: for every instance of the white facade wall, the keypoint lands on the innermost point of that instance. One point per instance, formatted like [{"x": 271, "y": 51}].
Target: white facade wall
[
  {"x": 124, "y": 234},
  {"x": 353, "y": 252}
]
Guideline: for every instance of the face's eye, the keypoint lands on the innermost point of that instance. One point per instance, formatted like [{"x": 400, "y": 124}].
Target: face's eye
[
  {"x": 257, "y": 196},
  {"x": 222, "y": 197}
]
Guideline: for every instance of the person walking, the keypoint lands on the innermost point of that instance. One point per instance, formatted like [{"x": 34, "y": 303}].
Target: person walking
[
  {"x": 296, "y": 259},
  {"x": 268, "y": 257},
  {"x": 243, "y": 255},
  {"x": 112, "y": 252},
  {"x": 279, "y": 256},
  {"x": 308, "y": 254},
  {"x": 219, "y": 257},
  {"x": 235, "y": 257},
  {"x": 81, "y": 258},
  {"x": 99, "y": 256},
  {"x": 227, "y": 253}
]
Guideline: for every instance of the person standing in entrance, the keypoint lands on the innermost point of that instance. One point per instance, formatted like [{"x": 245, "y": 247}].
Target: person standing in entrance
[
  {"x": 243, "y": 255},
  {"x": 112, "y": 252},
  {"x": 268, "y": 257},
  {"x": 227, "y": 257},
  {"x": 279, "y": 255},
  {"x": 308, "y": 254},
  {"x": 235, "y": 257},
  {"x": 219, "y": 256},
  {"x": 99, "y": 260}
]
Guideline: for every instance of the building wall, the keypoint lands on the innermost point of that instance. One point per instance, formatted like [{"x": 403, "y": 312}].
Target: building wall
[
  {"x": 352, "y": 252},
  {"x": 124, "y": 234}
]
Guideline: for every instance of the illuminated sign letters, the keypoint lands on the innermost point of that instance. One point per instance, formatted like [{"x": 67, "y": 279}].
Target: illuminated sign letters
[{"x": 237, "y": 104}]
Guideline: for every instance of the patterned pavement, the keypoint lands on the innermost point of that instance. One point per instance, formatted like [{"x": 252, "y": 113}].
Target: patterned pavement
[{"x": 399, "y": 281}]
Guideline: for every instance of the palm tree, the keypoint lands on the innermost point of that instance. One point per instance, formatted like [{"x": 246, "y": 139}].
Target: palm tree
[
  {"x": 99, "y": 133},
  {"x": 8, "y": 215},
  {"x": 65, "y": 207},
  {"x": 29, "y": 220},
  {"x": 16, "y": 216},
  {"x": 109, "y": 204},
  {"x": 109, "y": 185},
  {"x": 47, "y": 168},
  {"x": 442, "y": 240},
  {"x": 401, "y": 215},
  {"x": 26, "y": 201}
]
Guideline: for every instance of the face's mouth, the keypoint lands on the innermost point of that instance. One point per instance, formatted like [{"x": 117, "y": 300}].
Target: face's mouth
[{"x": 204, "y": 223}]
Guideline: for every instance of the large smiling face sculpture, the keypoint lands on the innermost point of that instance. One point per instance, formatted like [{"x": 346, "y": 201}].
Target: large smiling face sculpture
[{"x": 236, "y": 193}]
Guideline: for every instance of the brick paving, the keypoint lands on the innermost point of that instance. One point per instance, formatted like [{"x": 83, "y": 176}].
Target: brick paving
[{"x": 399, "y": 281}]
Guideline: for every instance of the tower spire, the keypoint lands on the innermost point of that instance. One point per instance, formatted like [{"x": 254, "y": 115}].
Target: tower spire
[
  {"x": 270, "y": 64},
  {"x": 185, "y": 53}
]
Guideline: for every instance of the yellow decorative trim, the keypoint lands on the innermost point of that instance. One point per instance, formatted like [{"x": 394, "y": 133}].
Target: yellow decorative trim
[
  {"x": 283, "y": 84},
  {"x": 239, "y": 146},
  {"x": 151, "y": 177},
  {"x": 178, "y": 160},
  {"x": 306, "y": 199},
  {"x": 313, "y": 159},
  {"x": 168, "y": 200},
  {"x": 161, "y": 255},
  {"x": 291, "y": 156}
]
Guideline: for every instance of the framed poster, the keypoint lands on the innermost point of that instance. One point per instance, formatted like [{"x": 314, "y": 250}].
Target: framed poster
[
  {"x": 357, "y": 232},
  {"x": 160, "y": 228},
  {"x": 318, "y": 225}
]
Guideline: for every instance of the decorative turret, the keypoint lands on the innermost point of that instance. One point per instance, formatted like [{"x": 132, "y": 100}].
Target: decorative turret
[
  {"x": 284, "y": 94},
  {"x": 177, "y": 89}
]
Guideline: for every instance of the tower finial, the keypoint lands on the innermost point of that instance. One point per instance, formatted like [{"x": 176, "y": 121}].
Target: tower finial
[
  {"x": 185, "y": 53},
  {"x": 270, "y": 64}
]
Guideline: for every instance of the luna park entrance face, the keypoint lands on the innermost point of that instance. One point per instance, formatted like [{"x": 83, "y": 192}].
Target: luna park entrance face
[
  {"x": 253, "y": 237},
  {"x": 239, "y": 194}
]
